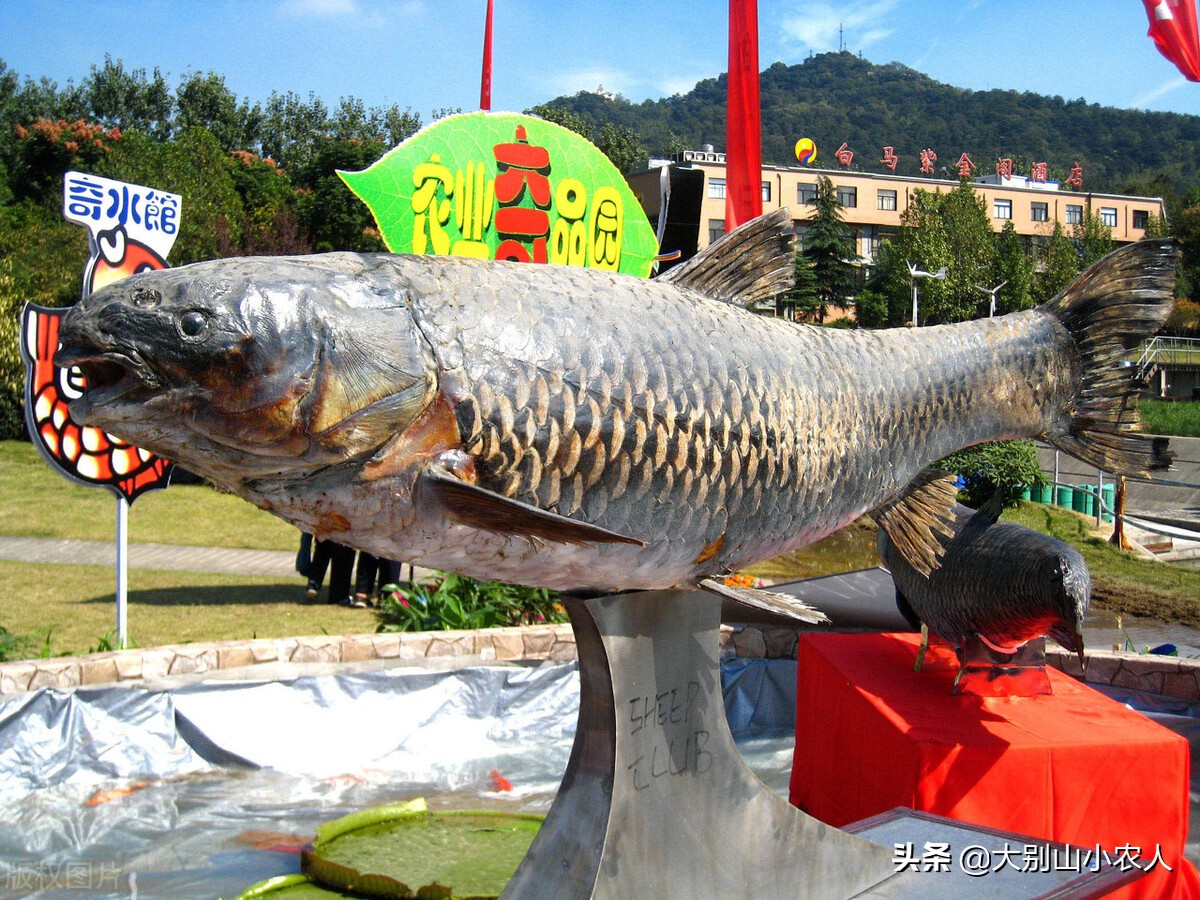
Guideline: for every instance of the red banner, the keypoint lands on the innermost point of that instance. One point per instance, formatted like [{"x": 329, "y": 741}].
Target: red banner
[
  {"x": 485, "y": 80},
  {"x": 743, "y": 141},
  {"x": 1173, "y": 30}
]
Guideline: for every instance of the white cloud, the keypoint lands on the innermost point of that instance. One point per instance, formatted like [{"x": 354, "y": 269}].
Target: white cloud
[
  {"x": 1162, "y": 90},
  {"x": 567, "y": 83},
  {"x": 815, "y": 24},
  {"x": 677, "y": 84}
]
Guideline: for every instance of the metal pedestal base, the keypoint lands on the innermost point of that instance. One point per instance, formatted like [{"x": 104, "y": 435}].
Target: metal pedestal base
[{"x": 656, "y": 800}]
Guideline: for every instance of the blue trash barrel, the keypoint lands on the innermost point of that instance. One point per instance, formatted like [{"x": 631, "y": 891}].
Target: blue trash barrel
[{"x": 1064, "y": 496}]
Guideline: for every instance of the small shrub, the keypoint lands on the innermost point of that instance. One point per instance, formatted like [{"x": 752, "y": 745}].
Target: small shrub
[
  {"x": 1007, "y": 466},
  {"x": 456, "y": 602},
  {"x": 14, "y": 646}
]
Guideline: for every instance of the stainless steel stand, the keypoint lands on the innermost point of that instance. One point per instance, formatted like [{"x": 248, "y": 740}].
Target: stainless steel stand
[{"x": 656, "y": 800}]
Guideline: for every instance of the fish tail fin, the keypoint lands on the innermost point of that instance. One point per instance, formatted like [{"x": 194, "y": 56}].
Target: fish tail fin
[{"x": 1108, "y": 310}]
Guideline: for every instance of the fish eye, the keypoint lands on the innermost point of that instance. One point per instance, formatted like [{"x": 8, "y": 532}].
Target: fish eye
[
  {"x": 145, "y": 298},
  {"x": 193, "y": 325}
]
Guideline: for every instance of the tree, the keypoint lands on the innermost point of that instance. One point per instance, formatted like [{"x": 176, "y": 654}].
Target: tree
[
  {"x": 829, "y": 247},
  {"x": 1186, "y": 230},
  {"x": 195, "y": 167},
  {"x": 802, "y": 299},
  {"x": 972, "y": 248},
  {"x": 1093, "y": 238},
  {"x": 50, "y": 147},
  {"x": 1014, "y": 265},
  {"x": 330, "y": 213},
  {"x": 205, "y": 102},
  {"x": 921, "y": 242},
  {"x": 128, "y": 100},
  {"x": 618, "y": 142},
  {"x": 1005, "y": 466},
  {"x": 291, "y": 131},
  {"x": 1058, "y": 264}
]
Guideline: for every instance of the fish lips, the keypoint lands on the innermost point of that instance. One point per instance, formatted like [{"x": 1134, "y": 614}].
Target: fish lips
[{"x": 111, "y": 378}]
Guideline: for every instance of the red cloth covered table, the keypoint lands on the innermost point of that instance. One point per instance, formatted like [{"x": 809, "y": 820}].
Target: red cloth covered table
[{"x": 1075, "y": 767}]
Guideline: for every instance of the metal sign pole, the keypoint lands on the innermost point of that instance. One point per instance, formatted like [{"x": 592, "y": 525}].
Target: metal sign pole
[{"x": 122, "y": 570}]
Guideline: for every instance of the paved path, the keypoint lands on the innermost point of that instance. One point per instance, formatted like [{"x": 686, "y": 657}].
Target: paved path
[{"x": 151, "y": 556}]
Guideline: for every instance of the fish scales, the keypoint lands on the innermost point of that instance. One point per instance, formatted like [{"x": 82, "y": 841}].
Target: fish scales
[
  {"x": 1000, "y": 580},
  {"x": 752, "y": 377},
  {"x": 581, "y": 429}
]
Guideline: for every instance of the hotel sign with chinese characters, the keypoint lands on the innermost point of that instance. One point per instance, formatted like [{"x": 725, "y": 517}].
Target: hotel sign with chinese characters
[{"x": 1038, "y": 171}]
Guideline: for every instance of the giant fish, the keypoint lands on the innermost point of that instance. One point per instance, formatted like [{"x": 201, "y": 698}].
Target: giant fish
[
  {"x": 584, "y": 430},
  {"x": 1000, "y": 581}
]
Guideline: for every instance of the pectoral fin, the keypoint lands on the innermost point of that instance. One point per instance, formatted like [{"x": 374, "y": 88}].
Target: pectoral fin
[
  {"x": 780, "y": 604},
  {"x": 477, "y": 507},
  {"x": 914, "y": 519}
]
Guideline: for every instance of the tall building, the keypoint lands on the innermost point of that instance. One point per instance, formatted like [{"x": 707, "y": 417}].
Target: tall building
[{"x": 872, "y": 204}]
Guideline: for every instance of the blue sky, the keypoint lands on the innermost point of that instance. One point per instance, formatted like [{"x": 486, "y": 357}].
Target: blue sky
[{"x": 425, "y": 54}]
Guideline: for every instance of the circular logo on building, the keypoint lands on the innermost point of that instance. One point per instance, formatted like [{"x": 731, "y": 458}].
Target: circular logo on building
[{"x": 806, "y": 151}]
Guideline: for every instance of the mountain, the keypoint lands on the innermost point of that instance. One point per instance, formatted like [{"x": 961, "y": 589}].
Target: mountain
[{"x": 836, "y": 98}]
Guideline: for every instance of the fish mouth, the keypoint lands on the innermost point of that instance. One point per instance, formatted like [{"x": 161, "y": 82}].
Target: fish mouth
[{"x": 109, "y": 377}]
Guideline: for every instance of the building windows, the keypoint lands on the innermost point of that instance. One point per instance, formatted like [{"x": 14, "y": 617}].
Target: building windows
[
  {"x": 1039, "y": 212},
  {"x": 806, "y": 193},
  {"x": 1001, "y": 209},
  {"x": 716, "y": 227},
  {"x": 716, "y": 188},
  {"x": 1108, "y": 215},
  {"x": 847, "y": 196},
  {"x": 1141, "y": 218},
  {"x": 766, "y": 192},
  {"x": 885, "y": 200},
  {"x": 1074, "y": 214}
]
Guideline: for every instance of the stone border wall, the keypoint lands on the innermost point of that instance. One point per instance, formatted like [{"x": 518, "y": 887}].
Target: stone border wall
[
  {"x": 555, "y": 642},
  {"x": 1167, "y": 675}
]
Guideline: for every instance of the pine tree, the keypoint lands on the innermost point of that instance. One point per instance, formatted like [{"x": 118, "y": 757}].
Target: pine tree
[
  {"x": 829, "y": 247},
  {"x": 802, "y": 301}
]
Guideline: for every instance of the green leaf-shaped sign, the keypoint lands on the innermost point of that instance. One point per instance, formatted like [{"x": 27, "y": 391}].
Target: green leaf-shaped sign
[{"x": 506, "y": 186}]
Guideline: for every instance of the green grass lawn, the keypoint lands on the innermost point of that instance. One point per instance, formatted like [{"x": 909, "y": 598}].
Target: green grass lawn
[
  {"x": 36, "y": 501},
  {"x": 1161, "y": 417},
  {"x": 75, "y": 603},
  {"x": 1121, "y": 581}
]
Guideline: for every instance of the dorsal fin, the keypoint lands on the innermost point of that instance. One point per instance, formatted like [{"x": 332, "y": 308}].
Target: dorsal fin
[
  {"x": 988, "y": 514},
  {"x": 753, "y": 262}
]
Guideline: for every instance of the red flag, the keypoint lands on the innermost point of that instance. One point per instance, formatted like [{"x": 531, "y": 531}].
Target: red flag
[
  {"x": 485, "y": 81},
  {"x": 1173, "y": 30},
  {"x": 743, "y": 138}
]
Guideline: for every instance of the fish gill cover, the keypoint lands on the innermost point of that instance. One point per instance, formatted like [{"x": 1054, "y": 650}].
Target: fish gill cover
[{"x": 510, "y": 187}]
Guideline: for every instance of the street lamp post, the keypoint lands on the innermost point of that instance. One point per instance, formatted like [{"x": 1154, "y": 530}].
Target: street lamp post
[
  {"x": 992, "y": 292},
  {"x": 914, "y": 273}
]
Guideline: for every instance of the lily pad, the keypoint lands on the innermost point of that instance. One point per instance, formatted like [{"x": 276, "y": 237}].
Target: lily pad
[
  {"x": 407, "y": 852},
  {"x": 289, "y": 887}
]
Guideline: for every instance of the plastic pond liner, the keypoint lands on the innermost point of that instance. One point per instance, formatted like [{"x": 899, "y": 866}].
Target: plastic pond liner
[{"x": 202, "y": 788}]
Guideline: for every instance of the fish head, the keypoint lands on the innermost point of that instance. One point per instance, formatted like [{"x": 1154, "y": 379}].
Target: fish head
[
  {"x": 1074, "y": 592},
  {"x": 248, "y": 367}
]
